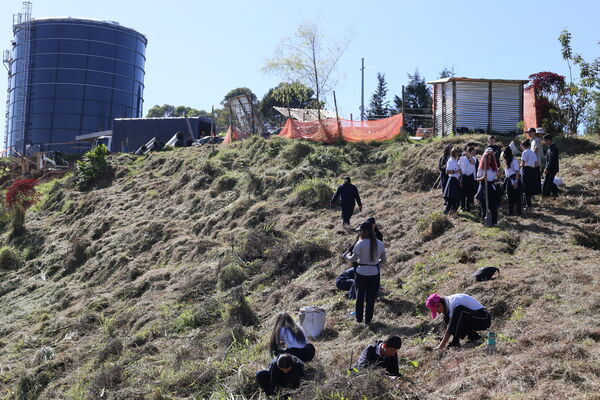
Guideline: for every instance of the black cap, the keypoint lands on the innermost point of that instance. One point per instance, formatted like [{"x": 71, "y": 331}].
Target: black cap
[
  {"x": 366, "y": 227},
  {"x": 531, "y": 130}
]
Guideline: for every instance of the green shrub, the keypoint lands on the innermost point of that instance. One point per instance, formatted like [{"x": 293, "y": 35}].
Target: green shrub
[
  {"x": 9, "y": 258},
  {"x": 93, "y": 168},
  {"x": 226, "y": 182},
  {"x": 185, "y": 321},
  {"x": 433, "y": 225},
  {"x": 240, "y": 312},
  {"x": 326, "y": 158},
  {"x": 230, "y": 276},
  {"x": 312, "y": 193},
  {"x": 295, "y": 153}
]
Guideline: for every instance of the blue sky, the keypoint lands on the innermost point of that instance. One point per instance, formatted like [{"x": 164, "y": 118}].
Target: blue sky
[{"x": 199, "y": 50}]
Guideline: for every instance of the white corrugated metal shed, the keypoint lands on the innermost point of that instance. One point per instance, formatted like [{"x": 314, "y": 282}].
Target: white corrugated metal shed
[{"x": 490, "y": 105}]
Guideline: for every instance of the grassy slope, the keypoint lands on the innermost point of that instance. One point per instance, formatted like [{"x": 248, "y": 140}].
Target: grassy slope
[{"x": 131, "y": 306}]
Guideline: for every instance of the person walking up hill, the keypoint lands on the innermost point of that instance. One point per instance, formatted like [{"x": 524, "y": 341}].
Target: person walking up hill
[{"x": 348, "y": 195}]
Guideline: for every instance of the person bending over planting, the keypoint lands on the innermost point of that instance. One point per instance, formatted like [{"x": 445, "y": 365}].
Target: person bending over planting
[
  {"x": 285, "y": 371},
  {"x": 292, "y": 336},
  {"x": 381, "y": 354},
  {"x": 464, "y": 316}
]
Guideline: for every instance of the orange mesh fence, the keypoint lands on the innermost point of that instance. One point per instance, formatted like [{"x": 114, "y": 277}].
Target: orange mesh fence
[
  {"x": 233, "y": 135},
  {"x": 328, "y": 130}
]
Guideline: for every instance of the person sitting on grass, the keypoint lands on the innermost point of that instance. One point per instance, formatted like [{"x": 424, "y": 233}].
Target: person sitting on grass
[
  {"x": 285, "y": 371},
  {"x": 290, "y": 334},
  {"x": 381, "y": 354},
  {"x": 463, "y": 315}
]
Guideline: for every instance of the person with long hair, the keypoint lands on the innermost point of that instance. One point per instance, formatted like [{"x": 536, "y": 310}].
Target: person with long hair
[
  {"x": 453, "y": 191},
  {"x": 291, "y": 335},
  {"x": 442, "y": 167},
  {"x": 512, "y": 181},
  {"x": 369, "y": 254},
  {"x": 488, "y": 170},
  {"x": 468, "y": 169},
  {"x": 531, "y": 178}
]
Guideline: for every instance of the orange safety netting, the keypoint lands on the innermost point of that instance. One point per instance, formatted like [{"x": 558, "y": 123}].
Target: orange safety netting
[
  {"x": 233, "y": 135},
  {"x": 328, "y": 130}
]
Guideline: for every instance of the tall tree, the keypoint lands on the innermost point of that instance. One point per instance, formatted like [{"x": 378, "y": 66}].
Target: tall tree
[
  {"x": 379, "y": 106},
  {"x": 447, "y": 73},
  {"x": 578, "y": 93},
  {"x": 305, "y": 57},
  {"x": 288, "y": 95},
  {"x": 418, "y": 101},
  {"x": 168, "y": 110}
]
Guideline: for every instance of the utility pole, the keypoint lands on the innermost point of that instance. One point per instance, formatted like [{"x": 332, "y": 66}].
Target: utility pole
[{"x": 362, "y": 91}]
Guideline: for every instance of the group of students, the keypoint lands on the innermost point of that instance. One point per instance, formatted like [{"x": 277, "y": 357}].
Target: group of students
[
  {"x": 463, "y": 315},
  {"x": 465, "y": 178}
]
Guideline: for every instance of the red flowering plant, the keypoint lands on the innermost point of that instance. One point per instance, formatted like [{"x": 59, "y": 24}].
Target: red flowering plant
[
  {"x": 550, "y": 91},
  {"x": 22, "y": 194},
  {"x": 19, "y": 197}
]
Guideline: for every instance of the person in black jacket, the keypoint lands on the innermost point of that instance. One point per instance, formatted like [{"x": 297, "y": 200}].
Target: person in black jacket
[
  {"x": 348, "y": 195},
  {"x": 381, "y": 354},
  {"x": 551, "y": 168},
  {"x": 285, "y": 371},
  {"x": 442, "y": 167}
]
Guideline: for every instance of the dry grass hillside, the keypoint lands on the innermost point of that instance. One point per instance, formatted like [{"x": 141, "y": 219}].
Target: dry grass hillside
[{"x": 163, "y": 283}]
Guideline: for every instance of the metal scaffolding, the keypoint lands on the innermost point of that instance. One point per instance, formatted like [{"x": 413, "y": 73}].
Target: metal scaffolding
[{"x": 19, "y": 67}]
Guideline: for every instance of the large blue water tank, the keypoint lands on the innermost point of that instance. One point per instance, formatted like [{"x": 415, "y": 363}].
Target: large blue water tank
[{"x": 82, "y": 73}]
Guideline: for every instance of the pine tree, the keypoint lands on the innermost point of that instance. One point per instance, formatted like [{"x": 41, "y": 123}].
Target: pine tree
[
  {"x": 379, "y": 106},
  {"x": 418, "y": 101}
]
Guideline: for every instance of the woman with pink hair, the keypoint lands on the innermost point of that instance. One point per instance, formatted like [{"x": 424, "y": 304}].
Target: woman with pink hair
[{"x": 464, "y": 316}]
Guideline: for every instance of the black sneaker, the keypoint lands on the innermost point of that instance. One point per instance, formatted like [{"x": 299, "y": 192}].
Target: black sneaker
[
  {"x": 474, "y": 336},
  {"x": 454, "y": 343}
]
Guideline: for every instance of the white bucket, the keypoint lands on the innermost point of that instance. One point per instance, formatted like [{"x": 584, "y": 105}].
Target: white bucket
[
  {"x": 312, "y": 320},
  {"x": 558, "y": 181}
]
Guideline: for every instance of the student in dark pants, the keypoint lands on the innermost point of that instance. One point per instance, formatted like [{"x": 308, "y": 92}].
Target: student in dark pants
[
  {"x": 453, "y": 192},
  {"x": 488, "y": 170},
  {"x": 347, "y": 193},
  {"x": 285, "y": 371},
  {"x": 551, "y": 168},
  {"x": 442, "y": 167},
  {"x": 531, "y": 177},
  {"x": 512, "y": 182},
  {"x": 464, "y": 316},
  {"x": 381, "y": 354},
  {"x": 292, "y": 336},
  {"x": 468, "y": 169},
  {"x": 369, "y": 254}
]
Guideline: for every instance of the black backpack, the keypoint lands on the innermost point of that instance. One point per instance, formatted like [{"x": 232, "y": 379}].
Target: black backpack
[{"x": 485, "y": 274}]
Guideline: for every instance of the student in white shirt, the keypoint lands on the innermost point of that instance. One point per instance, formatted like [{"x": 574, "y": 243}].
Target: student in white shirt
[
  {"x": 488, "y": 170},
  {"x": 369, "y": 253},
  {"x": 464, "y": 316},
  {"x": 468, "y": 168},
  {"x": 512, "y": 182},
  {"x": 292, "y": 336},
  {"x": 531, "y": 179},
  {"x": 453, "y": 192}
]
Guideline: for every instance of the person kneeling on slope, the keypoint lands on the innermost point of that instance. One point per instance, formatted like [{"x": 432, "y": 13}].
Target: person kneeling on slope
[
  {"x": 463, "y": 316},
  {"x": 381, "y": 354},
  {"x": 287, "y": 332},
  {"x": 285, "y": 371}
]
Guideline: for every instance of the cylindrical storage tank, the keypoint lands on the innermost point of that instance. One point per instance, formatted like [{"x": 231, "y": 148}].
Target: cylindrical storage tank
[{"x": 82, "y": 73}]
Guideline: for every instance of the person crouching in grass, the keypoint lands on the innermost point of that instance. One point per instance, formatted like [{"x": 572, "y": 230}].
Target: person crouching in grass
[{"x": 464, "y": 316}]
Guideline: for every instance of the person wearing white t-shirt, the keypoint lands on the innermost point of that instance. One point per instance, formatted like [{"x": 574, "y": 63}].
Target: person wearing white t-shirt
[
  {"x": 512, "y": 181},
  {"x": 488, "y": 170},
  {"x": 531, "y": 179},
  {"x": 468, "y": 168},
  {"x": 292, "y": 336},
  {"x": 464, "y": 316},
  {"x": 453, "y": 191}
]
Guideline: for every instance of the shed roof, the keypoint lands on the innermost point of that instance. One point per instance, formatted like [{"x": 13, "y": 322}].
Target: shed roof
[{"x": 459, "y": 79}]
